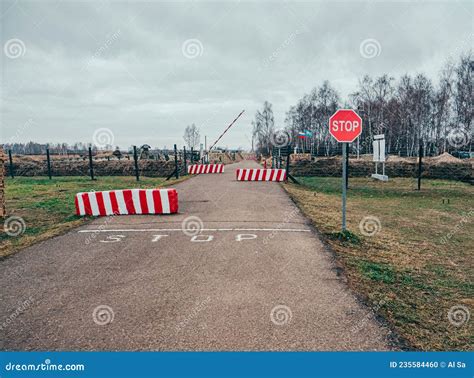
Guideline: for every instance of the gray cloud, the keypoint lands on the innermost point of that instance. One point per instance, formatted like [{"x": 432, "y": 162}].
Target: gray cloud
[{"x": 120, "y": 64}]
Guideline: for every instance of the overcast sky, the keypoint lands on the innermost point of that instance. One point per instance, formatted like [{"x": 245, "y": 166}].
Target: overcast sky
[{"x": 145, "y": 70}]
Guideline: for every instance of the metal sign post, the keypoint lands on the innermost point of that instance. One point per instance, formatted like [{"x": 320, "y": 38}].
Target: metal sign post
[{"x": 344, "y": 186}]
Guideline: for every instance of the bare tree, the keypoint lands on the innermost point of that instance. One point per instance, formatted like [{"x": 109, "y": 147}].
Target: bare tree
[
  {"x": 442, "y": 107},
  {"x": 464, "y": 94},
  {"x": 263, "y": 128},
  {"x": 192, "y": 137}
]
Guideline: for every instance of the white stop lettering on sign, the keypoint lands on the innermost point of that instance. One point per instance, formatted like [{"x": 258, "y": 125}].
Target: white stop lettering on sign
[{"x": 348, "y": 126}]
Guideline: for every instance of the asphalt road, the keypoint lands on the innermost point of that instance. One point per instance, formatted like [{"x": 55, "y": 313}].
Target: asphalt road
[{"x": 256, "y": 277}]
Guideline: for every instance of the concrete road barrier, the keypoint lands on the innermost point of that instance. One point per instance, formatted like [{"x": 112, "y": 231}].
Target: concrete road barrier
[
  {"x": 259, "y": 174},
  {"x": 127, "y": 202},
  {"x": 205, "y": 168}
]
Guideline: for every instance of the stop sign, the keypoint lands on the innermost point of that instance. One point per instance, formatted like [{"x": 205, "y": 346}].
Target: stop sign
[{"x": 345, "y": 125}]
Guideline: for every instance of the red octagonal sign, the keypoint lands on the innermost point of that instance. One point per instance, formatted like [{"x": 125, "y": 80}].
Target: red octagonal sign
[{"x": 345, "y": 125}]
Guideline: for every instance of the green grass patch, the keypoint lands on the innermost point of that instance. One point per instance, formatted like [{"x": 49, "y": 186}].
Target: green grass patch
[
  {"x": 345, "y": 236},
  {"x": 377, "y": 272}
]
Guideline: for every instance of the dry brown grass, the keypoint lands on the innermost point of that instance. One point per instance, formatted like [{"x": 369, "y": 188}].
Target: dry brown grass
[{"x": 420, "y": 260}]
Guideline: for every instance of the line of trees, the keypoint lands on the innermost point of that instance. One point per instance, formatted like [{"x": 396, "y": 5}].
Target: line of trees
[
  {"x": 408, "y": 111},
  {"x": 33, "y": 148},
  {"x": 191, "y": 137},
  {"x": 65, "y": 149}
]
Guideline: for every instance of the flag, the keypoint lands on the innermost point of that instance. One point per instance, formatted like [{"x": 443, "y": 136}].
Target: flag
[{"x": 305, "y": 134}]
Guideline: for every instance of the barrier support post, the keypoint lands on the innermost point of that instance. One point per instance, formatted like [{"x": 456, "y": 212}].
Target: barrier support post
[
  {"x": 288, "y": 175},
  {"x": 135, "y": 158},
  {"x": 91, "y": 165},
  {"x": 48, "y": 162},
  {"x": 192, "y": 155}
]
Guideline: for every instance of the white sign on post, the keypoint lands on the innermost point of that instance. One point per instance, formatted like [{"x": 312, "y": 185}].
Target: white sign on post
[
  {"x": 379, "y": 148},
  {"x": 379, "y": 156}
]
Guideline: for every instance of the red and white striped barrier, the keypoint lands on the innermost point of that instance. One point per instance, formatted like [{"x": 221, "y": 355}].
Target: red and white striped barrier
[
  {"x": 127, "y": 202},
  {"x": 205, "y": 168},
  {"x": 259, "y": 174}
]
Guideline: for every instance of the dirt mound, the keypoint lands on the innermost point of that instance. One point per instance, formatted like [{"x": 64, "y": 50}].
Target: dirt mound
[{"x": 445, "y": 158}]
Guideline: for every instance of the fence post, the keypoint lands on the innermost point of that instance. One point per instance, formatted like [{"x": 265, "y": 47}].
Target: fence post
[
  {"x": 185, "y": 167},
  {"x": 420, "y": 157},
  {"x": 288, "y": 162},
  {"x": 3, "y": 211},
  {"x": 91, "y": 164},
  {"x": 48, "y": 161},
  {"x": 135, "y": 161},
  {"x": 11, "y": 163},
  {"x": 192, "y": 155},
  {"x": 176, "y": 162}
]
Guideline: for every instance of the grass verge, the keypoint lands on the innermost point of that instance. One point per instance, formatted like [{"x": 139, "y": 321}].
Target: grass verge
[
  {"x": 47, "y": 206},
  {"x": 412, "y": 250}
]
